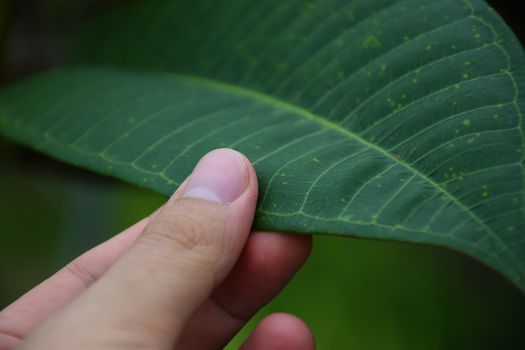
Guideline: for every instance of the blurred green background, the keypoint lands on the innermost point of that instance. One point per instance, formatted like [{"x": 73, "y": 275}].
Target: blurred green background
[{"x": 354, "y": 294}]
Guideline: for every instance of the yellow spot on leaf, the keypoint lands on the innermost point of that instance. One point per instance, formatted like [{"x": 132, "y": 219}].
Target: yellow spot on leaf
[
  {"x": 485, "y": 194},
  {"x": 371, "y": 41},
  {"x": 465, "y": 75},
  {"x": 466, "y": 122},
  {"x": 316, "y": 160}
]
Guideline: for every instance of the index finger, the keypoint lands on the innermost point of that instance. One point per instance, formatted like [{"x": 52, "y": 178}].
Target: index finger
[{"x": 21, "y": 317}]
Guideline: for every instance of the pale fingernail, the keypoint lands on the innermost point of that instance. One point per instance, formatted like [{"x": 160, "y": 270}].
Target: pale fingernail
[{"x": 220, "y": 176}]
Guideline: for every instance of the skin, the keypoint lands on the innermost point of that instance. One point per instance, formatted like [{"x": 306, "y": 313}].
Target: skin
[{"x": 177, "y": 279}]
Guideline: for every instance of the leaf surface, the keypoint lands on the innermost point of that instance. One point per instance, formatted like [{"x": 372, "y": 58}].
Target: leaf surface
[{"x": 382, "y": 119}]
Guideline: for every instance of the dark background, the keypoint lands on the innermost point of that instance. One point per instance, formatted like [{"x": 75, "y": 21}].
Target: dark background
[{"x": 354, "y": 294}]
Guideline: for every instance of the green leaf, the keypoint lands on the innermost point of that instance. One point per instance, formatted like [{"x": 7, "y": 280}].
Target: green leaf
[{"x": 399, "y": 120}]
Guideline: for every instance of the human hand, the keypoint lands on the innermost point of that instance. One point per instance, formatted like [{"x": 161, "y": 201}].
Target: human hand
[{"x": 189, "y": 277}]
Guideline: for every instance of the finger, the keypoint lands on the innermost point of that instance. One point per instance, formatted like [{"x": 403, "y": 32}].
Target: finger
[
  {"x": 280, "y": 331},
  {"x": 150, "y": 293},
  {"x": 267, "y": 263},
  {"x": 19, "y": 318}
]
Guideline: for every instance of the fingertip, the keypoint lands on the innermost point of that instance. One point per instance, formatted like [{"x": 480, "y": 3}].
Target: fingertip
[
  {"x": 251, "y": 190},
  {"x": 221, "y": 176},
  {"x": 288, "y": 332},
  {"x": 281, "y": 331},
  {"x": 218, "y": 166}
]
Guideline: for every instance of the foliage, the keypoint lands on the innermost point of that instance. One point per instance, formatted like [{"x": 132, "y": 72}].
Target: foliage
[{"x": 387, "y": 119}]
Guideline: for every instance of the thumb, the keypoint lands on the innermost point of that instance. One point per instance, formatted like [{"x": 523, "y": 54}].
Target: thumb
[{"x": 145, "y": 299}]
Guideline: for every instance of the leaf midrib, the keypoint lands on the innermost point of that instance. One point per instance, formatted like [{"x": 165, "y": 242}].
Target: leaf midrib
[{"x": 278, "y": 103}]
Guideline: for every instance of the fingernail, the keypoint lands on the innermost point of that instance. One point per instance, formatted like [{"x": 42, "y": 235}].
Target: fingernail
[{"x": 220, "y": 176}]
